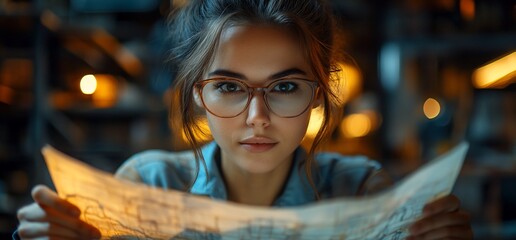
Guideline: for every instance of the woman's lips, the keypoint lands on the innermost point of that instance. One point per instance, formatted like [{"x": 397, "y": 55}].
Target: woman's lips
[
  {"x": 257, "y": 147},
  {"x": 257, "y": 144}
]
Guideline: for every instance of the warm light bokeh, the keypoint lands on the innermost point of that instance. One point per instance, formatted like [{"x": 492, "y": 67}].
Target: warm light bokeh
[
  {"x": 467, "y": 9},
  {"x": 88, "y": 84},
  {"x": 497, "y": 74},
  {"x": 431, "y": 108},
  {"x": 316, "y": 120},
  {"x": 107, "y": 93},
  {"x": 6, "y": 94},
  {"x": 356, "y": 125}
]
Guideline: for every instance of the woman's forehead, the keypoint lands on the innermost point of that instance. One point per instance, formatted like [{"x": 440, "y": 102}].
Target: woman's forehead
[{"x": 259, "y": 50}]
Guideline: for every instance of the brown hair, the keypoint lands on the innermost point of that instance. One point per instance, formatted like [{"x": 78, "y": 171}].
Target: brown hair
[{"x": 195, "y": 33}]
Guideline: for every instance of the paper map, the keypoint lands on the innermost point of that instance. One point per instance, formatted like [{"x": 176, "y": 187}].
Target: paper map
[{"x": 124, "y": 210}]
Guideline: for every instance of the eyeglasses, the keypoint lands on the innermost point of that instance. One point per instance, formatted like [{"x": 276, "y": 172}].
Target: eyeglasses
[{"x": 228, "y": 97}]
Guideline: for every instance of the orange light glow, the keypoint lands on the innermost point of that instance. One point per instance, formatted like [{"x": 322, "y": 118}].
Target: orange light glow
[
  {"x": 88, "y": 84},
  {"x": 6, "y": 94},
  {"x": 316, "y": 120},
  {"x": 203, "y": 134},
  {"x": 349, "y": 83},
  {"x": 431, "y": 108},
  {"x": 356, "y": 125},
  {"x": 106, "y": 93},
  {"x": 497, "y": 74},
  {"x": 467, "y": 9}
]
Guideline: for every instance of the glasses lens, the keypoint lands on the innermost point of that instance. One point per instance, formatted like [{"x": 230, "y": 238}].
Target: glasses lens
[
  {"x": 289, "y": 98},
  {"x": 225, "y": 98}
]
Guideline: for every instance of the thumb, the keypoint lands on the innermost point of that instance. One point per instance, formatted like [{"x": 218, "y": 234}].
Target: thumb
[{"x": 47, "y": 198}]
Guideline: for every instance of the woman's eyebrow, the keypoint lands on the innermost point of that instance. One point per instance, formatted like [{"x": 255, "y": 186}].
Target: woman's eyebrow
[
  {"x": 288, "y": 72},
  {"x": 227, "y": 73},
  {"x": 231, "y": 74}
]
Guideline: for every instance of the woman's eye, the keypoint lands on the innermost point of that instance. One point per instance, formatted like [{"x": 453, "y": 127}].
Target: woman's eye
[
  {"x": 285, "y": 87},
  {"x": 228, "y": 87}
]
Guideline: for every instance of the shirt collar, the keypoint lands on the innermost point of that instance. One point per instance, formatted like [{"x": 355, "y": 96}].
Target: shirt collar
[
  {"x": 209, "y": 181},
  {"x": 297, "y": 190}
]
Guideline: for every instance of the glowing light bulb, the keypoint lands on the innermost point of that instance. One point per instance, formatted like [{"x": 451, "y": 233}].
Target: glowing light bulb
[{"x": 88, "y": 84}]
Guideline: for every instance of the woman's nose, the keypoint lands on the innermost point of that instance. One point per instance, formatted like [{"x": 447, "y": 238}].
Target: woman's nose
[{"x": 258, "y": 112}]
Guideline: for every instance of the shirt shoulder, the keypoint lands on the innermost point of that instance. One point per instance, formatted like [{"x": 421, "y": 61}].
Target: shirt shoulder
[
  {"x": 343, "y": 176},
  {"x": 168, "y": 170}
]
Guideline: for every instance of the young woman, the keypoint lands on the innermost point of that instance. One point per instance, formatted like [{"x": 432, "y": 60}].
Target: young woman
[{"x": 256, "y": 69}]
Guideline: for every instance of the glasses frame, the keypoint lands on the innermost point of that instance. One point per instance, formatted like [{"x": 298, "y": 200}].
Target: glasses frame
[{"x": 250, "y": 91}]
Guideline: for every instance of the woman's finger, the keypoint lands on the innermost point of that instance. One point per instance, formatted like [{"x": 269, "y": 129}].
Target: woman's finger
[
  {"x": 448, "y": 203},
  {"x": 45, "y": 197},
  {"x": 427, "y": 224},
  {"x": 45, "y": 229},
  {"x": 36, "y": 214},
  {"x": 75, "y": 223},
  {"x": 33, "y": 213}
]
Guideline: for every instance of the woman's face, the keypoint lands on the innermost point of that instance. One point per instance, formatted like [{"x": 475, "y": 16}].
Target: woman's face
[{"x": 258, "y": 141}]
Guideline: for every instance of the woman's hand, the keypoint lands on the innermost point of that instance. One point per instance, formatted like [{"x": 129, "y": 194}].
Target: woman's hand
[
  {"x": 52, "y": 217},
  {"x": 442, "y": 219}
]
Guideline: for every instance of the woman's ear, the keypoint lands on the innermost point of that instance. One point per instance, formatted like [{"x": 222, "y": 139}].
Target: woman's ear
[
  {"x": 318, "y": 101},
  {"x": 197, "y": 97}
]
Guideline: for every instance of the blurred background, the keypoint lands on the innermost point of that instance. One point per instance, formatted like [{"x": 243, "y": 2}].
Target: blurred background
[{"x": 89, "y": 77}]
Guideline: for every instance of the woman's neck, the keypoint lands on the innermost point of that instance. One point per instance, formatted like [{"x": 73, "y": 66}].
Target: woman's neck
[
  {"x": 259, "y": 192},
  {"x": 255, "y": 189}
]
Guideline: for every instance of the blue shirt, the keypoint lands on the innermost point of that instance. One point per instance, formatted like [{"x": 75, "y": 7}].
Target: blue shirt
[{"x": 334, "y": 175}]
